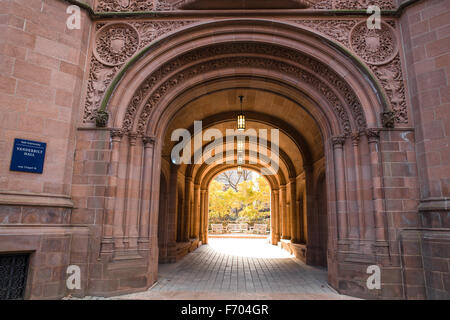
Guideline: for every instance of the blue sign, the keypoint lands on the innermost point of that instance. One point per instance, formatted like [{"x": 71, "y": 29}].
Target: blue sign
[{"x": 28, "y": 156}]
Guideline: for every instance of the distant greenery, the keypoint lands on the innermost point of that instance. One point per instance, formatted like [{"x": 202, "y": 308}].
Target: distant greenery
[{"x": 250, "y": 203}]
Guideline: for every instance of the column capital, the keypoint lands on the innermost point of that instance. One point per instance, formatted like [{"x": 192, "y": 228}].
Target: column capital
[
  {"x": 116, "y": 133},
  {"x": 203, "y": 191},
  {"x": 132, "y": 137},
  {"x": 148, "y": 141},
  {"x": 373, "y": 135},
  {"x": 355, "y": 138},
  {"x": 338, "y": 141},
  {"x": 276, "y": 191}
]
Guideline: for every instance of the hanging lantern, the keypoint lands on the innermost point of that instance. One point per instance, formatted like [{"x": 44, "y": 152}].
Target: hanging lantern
[
  {"x": 239, "y": 170},
  {"x": 240, "y": 145},
  {"x": 241, "y": 117}
]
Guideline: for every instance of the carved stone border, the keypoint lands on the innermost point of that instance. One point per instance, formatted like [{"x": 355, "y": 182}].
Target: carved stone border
[
  {"x": 101, "y": 39},
  {"x": 394, "y": 45},
  {"x": 245, "y": 48}
]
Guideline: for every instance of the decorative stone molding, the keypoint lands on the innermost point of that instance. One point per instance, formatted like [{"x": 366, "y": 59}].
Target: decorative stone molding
[
  {"x": 338, "y": 141},
  {"x": 335, "y": 29},
  {"x": 352, "y": 4},
  {"x": 116, "y": 133},
  {"x": 101, "y": 120},
  {"x": 148, "y": 140},
  {"x": 376, "y": 47},
  {"x": 388, "y": 119},
  {"x": 242, "y": 4},
  {"x": 162, "y": 5},
  {"x": 355, "y": 138},
  {"x": 391, "y": 78},
  {"x": 149, "y": 31},
  {"x": 132, "y": 5},
  {"x": 35, "y": 199},
  {"x": 102, "y": 71},
  {"x": 115, "y": 43},
  {"x": 132, "y": 137},
  {"x": 334, "y": 80},
  {"x": 383, "y": 60},
  {"x": 373, "y": 135}
]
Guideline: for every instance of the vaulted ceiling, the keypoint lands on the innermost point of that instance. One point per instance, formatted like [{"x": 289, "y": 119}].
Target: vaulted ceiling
[{"x": 299, "y": 136}]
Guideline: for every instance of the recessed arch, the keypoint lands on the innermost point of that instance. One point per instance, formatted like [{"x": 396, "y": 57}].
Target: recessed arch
[
  {"x": 318, "y": 86},
  {"x": 352, "y": 70}
]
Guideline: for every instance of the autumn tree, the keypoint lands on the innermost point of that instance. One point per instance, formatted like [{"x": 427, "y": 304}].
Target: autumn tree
[{"x": 248, "y": 200}]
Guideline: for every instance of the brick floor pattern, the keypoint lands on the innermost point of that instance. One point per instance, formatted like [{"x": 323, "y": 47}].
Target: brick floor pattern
[{"x": 239, "y": 269}]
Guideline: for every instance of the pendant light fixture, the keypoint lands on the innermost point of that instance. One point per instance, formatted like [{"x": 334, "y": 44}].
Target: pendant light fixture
[
  {"x": 239, "y": 170},
  {"x": 241, "y": 117},
  {"x": 240, "y": 144}
]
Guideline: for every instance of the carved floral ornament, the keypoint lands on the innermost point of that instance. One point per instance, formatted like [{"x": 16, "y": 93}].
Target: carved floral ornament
[
  {"x": 379, "y": 49},
  {"x": 121, "y": 40},
  {"x": 164, "y": 5},
  {"x": 117, "y": 42},
  {"x": 377, "y": 46},
  {"x": 132, "y": 5},
  {"x": 152, "y": 90}
]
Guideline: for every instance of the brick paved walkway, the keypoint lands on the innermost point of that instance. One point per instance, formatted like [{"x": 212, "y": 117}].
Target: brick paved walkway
[{"x": 239, "y": 269}]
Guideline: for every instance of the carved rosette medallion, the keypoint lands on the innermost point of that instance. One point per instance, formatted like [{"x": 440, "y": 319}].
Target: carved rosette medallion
[
  {"x": 377, "y": 46},
  {"x": 116, "y": 43}
]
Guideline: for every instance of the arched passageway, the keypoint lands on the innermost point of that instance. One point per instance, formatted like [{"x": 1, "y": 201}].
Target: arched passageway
[
  {"x": 322, "y": 164},
  {"x": 298, "y": 141}
]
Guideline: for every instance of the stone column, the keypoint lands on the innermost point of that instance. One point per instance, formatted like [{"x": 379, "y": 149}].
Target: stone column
[
  {"x": 275, "y": 217},
  {"x": 186, "y": 214},
  {"x": 132, "y": 216},
  {"x": 339, "y": 169},
  {"x": 202, "y": 217},
  {"x": 197, "y": 213},
  {"x": 119, "y": 204},
  {"x": 293, "y": 213},
  {"x": 283, "y": 213},
  {"x": 308, "y": 205},
  {"x": 147, "y": 184},
  {"x": 205, "y": 217},
  {"x": 358, "y": 176},
  {"x": 375, "y": 161},
  {"x": 107, "y": 242},
  {"x": 172, "y": 212}
]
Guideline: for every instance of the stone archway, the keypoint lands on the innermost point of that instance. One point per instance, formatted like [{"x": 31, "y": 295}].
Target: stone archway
[{"x": 289, "y": 62}]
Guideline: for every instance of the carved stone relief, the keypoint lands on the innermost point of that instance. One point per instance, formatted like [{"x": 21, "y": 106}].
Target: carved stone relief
[
  {"x": 352, "y": 4},
  {"x": 390, "y": 76},
  {"x": 162, "y": 5},
  {"x": 245, "y": 50},
  {"x": 379, "y": 49},
  {"x": 379, "y": 52},
  {"x": 375, "y": 46},
  {"x": 115, "y": 44},
  {"x": 132, "y": 5}
]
